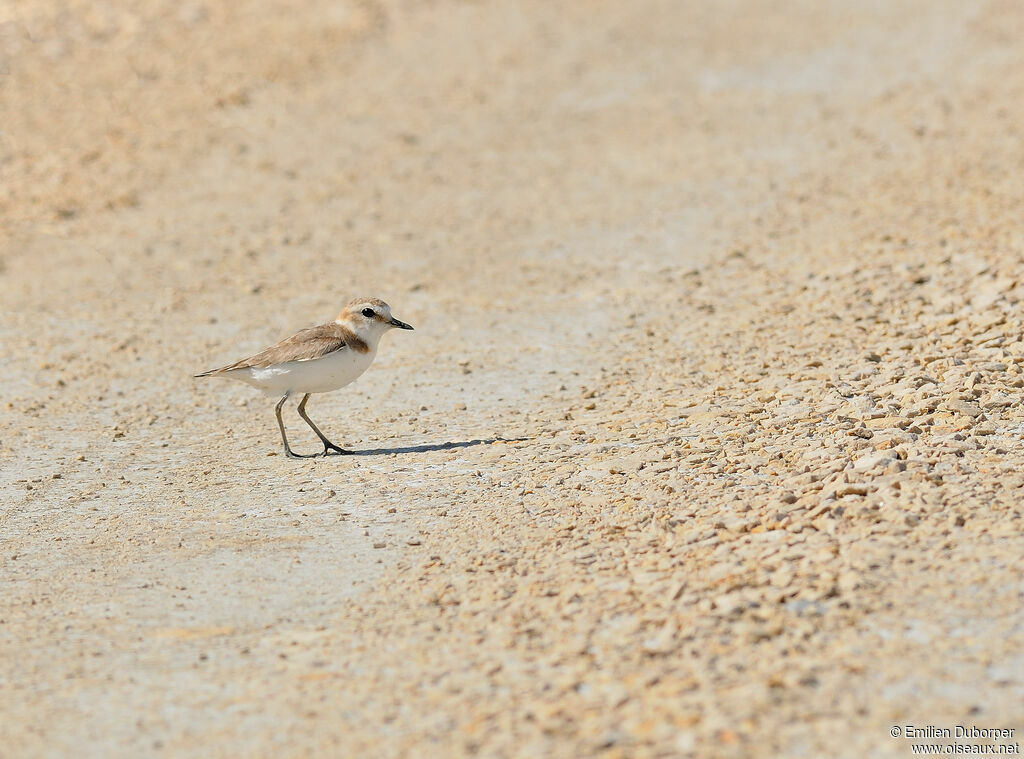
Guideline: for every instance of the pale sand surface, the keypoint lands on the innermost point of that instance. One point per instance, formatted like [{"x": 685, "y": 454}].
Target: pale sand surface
[{"x": 719, "y": 302}]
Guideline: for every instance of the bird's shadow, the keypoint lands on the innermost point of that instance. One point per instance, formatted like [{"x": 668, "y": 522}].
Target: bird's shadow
[{"x": 428, "y": 447}]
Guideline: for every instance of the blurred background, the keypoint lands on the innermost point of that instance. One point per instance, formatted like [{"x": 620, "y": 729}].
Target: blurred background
[{"x": 694, "y": 284}]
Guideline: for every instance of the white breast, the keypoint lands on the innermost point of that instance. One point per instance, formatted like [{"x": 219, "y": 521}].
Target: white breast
[{"x": 319, "y": 375}]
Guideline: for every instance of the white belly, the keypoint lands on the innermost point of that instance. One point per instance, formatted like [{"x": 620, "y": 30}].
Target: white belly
[{"x": 320, "y": 375}]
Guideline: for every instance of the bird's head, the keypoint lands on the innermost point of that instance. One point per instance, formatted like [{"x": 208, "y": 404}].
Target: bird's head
[{"x": 369, "y": 318}]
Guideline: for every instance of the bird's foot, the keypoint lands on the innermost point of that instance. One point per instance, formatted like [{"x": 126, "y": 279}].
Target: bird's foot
[
  {"x": 330, "y": 449},
  {"x": 293, "y": 455}
]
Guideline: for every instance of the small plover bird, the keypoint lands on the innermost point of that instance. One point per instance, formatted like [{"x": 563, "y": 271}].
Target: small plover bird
[{"x": 317, "y": 360}]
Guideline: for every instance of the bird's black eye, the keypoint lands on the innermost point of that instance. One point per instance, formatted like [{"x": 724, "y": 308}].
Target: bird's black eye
[{"x": 368, "y": 313}]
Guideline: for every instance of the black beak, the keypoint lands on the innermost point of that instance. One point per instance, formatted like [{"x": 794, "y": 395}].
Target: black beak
[{"x": 401, "y": 325}]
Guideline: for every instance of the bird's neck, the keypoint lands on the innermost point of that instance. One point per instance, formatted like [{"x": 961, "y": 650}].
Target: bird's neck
[{"x": 370, "y": 337}]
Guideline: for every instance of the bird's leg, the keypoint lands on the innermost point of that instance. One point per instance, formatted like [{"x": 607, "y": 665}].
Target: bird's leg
[
  {"x": 328, "y": 445},
  {"x": 284, "y": 438}
]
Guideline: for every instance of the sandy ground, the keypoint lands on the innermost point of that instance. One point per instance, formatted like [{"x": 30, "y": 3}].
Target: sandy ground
[{"x": 708, "y": 441}]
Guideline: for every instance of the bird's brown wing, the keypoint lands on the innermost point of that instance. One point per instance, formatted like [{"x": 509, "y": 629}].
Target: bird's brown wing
[{"x": 306, "y": 345}]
